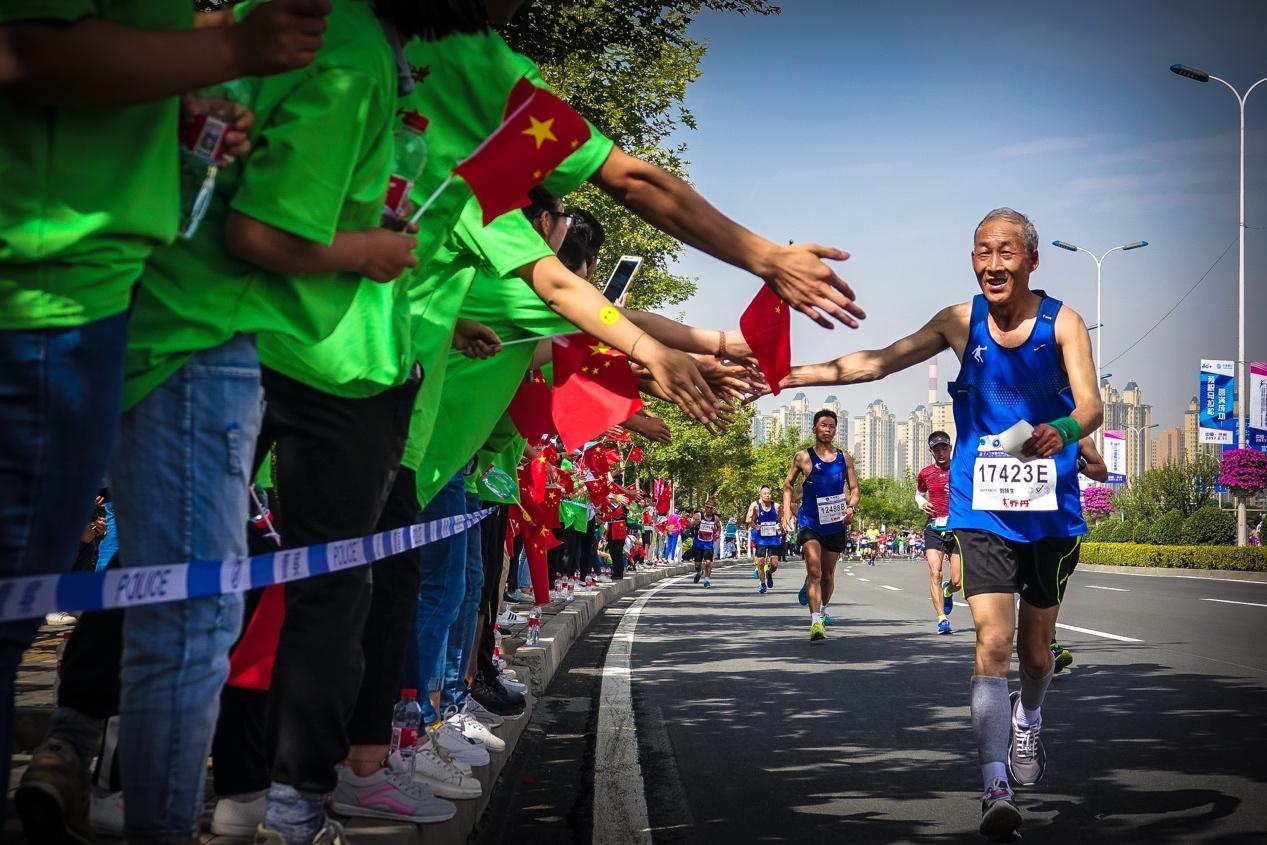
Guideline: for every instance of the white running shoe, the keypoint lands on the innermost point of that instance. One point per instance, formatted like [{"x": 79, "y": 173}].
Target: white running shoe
[
  {"x": 445, "y": 779},
  {"x": 239, "y": 815},
  {"x": 471, "y": 707},
  {"x": 389, "y": 793},
  {"x": 460, "y": 747},
  {"x": 473, "y": 728},
  {"x": 59, "y": 619},
  {"x": 105, "y": 812},
  {"x": 508, "y": 618}
]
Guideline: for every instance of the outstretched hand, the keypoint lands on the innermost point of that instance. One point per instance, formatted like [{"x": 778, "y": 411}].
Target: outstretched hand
[{"x": 798, "y": 275}]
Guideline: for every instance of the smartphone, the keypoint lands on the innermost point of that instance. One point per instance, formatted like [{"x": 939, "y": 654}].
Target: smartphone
[{"x": 617, "y": 289}]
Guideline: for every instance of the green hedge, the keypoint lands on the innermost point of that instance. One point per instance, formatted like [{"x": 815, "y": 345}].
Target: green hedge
[{"x": 1168, "y": 557}]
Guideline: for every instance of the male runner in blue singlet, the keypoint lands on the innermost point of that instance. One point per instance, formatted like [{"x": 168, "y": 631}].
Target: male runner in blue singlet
[
  {"x": 763, "y": 519},
  {"x": 1016, "y": 513},
  {"x": 820, "y": 525},
  {"x": 705, "y": 525}
]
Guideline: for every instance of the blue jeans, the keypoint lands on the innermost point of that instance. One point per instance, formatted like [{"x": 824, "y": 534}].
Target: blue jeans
[
  {"x": 179, "y": 482},
  {"x": 462, "y": 632},
  {"x": 60, "y": 391},
  {"x": 671, "y": 550},
  {"x": 441, "y": 590}
]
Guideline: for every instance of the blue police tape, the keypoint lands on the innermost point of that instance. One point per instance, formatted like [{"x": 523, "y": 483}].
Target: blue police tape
[{"x": 34, "y": 596}]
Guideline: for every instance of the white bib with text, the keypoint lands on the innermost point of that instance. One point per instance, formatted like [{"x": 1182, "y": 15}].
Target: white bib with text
[
  {"x": 831, "y": 509},
  {"x": 1001, "y": 482}
]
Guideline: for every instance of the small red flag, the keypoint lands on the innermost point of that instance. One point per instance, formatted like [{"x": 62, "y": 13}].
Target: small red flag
[
  {"x": 538, "y": 133},
  {"x": 593, "y": 388},
  {"x": 635, "y": 455},
  {"x": 766, "y": 325},
  {"x": 530, "y": 409},
  {"x": 664, "y": 497}
]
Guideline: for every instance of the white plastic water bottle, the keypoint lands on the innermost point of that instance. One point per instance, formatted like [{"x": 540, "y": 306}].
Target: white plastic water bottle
[
  {"x": 557, "y": 593},
  {"x": 411, "y": 158},
  {"x": 406, "y": 722},
  {"x": 534, "y": 626},
  {"x": 589, "y": 581},
  {"x": 571, "y": 586}
]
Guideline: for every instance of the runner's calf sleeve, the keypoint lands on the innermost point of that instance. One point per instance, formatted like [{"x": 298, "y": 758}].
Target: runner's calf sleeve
[
  {"x": 1033, "y": 691},
  {"x": 991, "y": 718}
]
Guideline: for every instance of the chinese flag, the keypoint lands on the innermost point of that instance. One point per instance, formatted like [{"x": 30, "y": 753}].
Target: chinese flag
[
  {"x": 538, "y": 133},
  {"x": 618, "y": 435},
  {"x": 251, "y": 663},
  {"x": 766, "y": 325},
  {"x": 530, "y": 409},
  {"x": 664, "y": 497},
  {"x": 593, "y": 388},
  {"x": 535, "y": 546},
  {"x": 635, "y": 455},
  {"x": 596, "y": 459}
]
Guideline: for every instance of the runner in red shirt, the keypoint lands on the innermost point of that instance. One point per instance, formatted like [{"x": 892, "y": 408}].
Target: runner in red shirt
[{"x": 932, "y": 494}]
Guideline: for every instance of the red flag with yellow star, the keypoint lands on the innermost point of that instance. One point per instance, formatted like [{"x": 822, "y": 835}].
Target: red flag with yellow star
[
  {"x": 766, "y": 325},
  {"x": 593, "y": 389},
  {"x": 538, "y": 133}
]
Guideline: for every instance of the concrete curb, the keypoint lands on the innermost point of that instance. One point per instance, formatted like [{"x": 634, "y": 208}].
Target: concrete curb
[
  {"x": 560, "y": 628},
  {"x": 1221, "y": 574}
]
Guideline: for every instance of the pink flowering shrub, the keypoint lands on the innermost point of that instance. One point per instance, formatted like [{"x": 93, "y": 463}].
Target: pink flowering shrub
[{"x": 1243, "y": 471}]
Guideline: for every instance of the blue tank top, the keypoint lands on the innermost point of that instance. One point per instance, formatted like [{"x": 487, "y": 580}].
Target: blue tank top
[
  {"x": 823, "y": 494},
  {"x": 767, "y": 517},
  {"x": 997, "y": 387}
]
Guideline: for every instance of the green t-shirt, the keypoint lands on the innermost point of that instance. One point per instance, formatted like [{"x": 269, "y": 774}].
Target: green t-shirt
[
  {"x": 321, "y": 156},
  {"x": 85, "y": 193}
]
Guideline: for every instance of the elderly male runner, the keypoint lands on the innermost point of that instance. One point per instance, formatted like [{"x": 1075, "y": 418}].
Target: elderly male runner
[
  {"x": 821, "y": 525},
  {"x": 932, "y": 494},
  {"x": 763, "y": 520},
  {"x": 1026, "y": 359}
]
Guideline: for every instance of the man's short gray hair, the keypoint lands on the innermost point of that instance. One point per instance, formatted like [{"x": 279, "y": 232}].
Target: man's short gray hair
[{"x": 1028, "y": 233}]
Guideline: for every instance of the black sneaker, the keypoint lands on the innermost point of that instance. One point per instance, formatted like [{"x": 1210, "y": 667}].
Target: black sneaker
[{"x": 495, "y": 700}]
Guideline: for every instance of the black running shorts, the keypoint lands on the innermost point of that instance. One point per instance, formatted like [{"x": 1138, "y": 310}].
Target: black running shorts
[
  {"x": 1038, "y": 571},
  {"x": 830, "y": 542},
  {"x": 940, "y": 541}
]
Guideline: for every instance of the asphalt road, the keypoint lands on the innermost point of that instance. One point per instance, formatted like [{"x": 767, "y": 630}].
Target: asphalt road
[{"x": 739, "y": 730}]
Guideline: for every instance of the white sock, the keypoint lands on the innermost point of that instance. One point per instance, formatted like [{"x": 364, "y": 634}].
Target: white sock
[
  {"x": 991, "y": 771},
  {"x": 823, "y": 609},
  {"x": 815, "y": 617}
]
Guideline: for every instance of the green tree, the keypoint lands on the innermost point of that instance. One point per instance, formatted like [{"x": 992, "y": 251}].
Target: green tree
[
  {"x": 700, "y": 463},
  {"x": 625, "y": 65}
]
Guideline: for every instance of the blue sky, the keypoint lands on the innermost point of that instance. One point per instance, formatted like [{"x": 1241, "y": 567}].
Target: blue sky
[{"x": 889, "y": 128}]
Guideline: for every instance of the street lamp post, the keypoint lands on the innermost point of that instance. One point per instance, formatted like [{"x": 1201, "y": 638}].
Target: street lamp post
[
  {"x": 1198, "y": 75},
  {"x": 1138, "y": 430},
  {"x": 1099, "y": 323}
]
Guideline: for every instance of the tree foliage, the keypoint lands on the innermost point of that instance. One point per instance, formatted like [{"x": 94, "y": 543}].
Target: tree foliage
[
  {"x": 889, "y": 502},
  {"x": 625, "y": 65},
  {"x": 1179, "y": 487}
]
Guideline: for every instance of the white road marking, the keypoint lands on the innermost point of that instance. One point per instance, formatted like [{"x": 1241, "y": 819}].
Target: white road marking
[
  {"x": 622, "y": 816},
  {"x": 1200, "y": 578},
  {"x": 1098, "y": 587},
  {"x": 868, "y": 580},
  {"x": 961, "y": 604},
  {"x": 1117, "y": 637},
  {"x": 894, "y": 589},
  {"x": 1229, "y": 601}
]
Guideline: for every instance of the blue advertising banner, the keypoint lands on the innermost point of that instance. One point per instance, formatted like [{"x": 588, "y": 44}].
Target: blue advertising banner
[{"x": 1216, "y": 400}]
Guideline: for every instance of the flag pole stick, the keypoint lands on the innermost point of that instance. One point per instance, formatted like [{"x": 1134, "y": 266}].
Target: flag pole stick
[{"x": 435, "y": 195}]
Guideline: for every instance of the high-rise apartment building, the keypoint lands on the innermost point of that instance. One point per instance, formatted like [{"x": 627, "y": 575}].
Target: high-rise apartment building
[
  {"x": 1126, "y": 411},
  {"x": 1192, "y": 447},
  {"x": 1168, "y": 447},
  {"x": 876, "y": 438}
]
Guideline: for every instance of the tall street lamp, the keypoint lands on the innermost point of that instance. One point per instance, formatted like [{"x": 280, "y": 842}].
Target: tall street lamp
[
  {"x": 1099, "y": 324},
  {"x": 1198, "y": 75},
  {"x": 1138, "y": 431}
]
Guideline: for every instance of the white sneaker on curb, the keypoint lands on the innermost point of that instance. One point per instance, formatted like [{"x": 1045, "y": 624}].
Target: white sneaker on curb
[
  {"x": 474, "y": 729},
  {"x": 59, "y": 619},
  {"x": 389, "y": 793},
  {"x": 239, "y": 815},
  {"x": 444, "y": 778},
  {"x": 471, "y": 707},
  {"x": 460, "y": 747},
  {"x": 509, "y": 617},
  {"x": 105, "y": 812}
]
